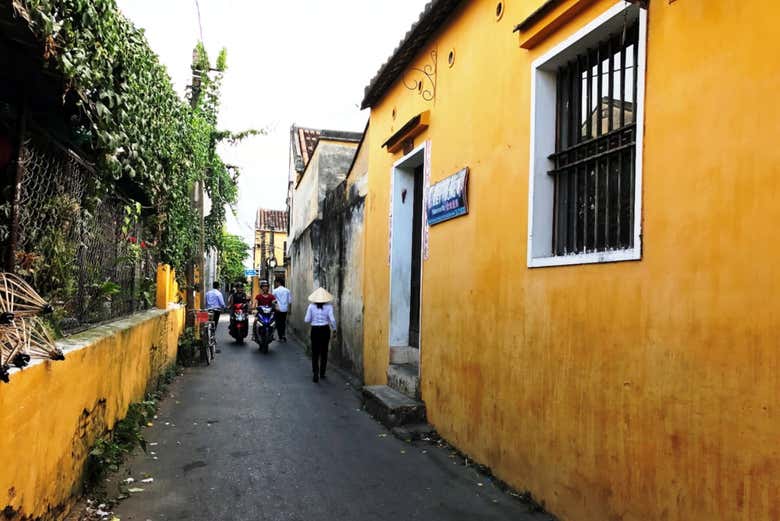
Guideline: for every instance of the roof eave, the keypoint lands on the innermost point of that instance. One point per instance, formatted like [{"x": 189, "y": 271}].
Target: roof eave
[{"x": 433, "y": 17}]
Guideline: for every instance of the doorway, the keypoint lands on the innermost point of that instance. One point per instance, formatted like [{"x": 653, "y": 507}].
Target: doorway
[
  {"x": 406, "y": 251},
  {"x": 416, "y": 281}
]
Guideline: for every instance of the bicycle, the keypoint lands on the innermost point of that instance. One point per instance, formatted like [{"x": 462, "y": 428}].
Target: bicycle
[{"x": 206, "y": 335}]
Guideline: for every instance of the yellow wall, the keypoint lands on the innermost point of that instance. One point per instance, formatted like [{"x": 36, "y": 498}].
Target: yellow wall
[
  {"x": 52, "y": 413},
  {"x": 279, "y": 253},
  {"x": 255, "y": 287},
  {"x": 630, "y": 391},
  {"x": 257, "y": 261},
  {"x": 167, "y": 287}
]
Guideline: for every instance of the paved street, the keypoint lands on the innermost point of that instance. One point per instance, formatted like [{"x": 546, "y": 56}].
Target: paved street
[{"x": 253, "y": 438}]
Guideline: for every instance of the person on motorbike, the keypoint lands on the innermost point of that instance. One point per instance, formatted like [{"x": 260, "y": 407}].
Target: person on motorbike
[
  {"x": 238, "y": 296},
  {"x": 265, "y": 298},
  {"x": 238, "y": 299}
]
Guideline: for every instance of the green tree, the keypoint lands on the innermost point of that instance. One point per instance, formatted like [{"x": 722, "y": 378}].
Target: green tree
[
  {"x": 232, "y": 256},
  {"x": 141, "y": 134}
]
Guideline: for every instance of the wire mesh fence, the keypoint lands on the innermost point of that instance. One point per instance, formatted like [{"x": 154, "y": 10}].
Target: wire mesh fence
[{"x": 85, "y": 256}]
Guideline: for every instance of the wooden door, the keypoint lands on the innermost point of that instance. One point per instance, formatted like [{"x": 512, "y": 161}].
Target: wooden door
[{"x": 416, "y": 271}]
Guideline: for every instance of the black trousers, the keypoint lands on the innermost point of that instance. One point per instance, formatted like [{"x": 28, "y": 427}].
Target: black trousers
[
  {"x": 320, "y": 337},
  {"x": 281, "y": 324},
  {"x": 216, "y": 318}
]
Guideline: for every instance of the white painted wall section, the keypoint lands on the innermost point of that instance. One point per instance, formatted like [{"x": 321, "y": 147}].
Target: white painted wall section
[{"x": 401, "y": 256}]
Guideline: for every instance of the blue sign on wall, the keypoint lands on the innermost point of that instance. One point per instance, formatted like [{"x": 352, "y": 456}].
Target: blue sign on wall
[
  {"x": 250, "y": 273},
  {"x": 448, "y": 198}
]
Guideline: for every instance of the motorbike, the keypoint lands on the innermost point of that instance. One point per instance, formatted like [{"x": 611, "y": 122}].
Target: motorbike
[
  {"x": 264, "y": 327},
  {"x": 239, "y": 322}
]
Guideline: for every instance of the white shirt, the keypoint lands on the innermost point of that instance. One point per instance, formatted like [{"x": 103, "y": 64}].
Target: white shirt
[
  {"x": 284, "y": 298},
  {"x": 320, "y": 316}
]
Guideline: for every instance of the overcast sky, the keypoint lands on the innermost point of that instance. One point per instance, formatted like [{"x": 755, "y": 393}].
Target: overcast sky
[{"x": 292, "y": 61}]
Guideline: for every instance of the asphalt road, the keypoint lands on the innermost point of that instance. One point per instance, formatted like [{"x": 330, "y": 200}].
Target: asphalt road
[{"x": 251, "y": 437}]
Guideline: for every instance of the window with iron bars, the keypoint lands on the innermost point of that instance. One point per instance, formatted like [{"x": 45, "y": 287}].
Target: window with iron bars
[{"x": 595, "y": 147}]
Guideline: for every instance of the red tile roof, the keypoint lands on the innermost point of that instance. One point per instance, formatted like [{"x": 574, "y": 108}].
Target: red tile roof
[
  {"x": 304, "y": 140},
  {"x": 308, "y": 138},
  {"x": 271, "y": 220}
]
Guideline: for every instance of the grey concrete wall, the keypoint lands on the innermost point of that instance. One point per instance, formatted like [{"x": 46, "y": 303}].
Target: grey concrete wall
[
  {"x": 328, "y": 253},
  {"x": 334, "y": 161},
  {"x": 305, "y": 199},
  {"x": 326, "y": 170},
  {"x": 351, "y": 295},
  {"x": 300, "y": 280}
]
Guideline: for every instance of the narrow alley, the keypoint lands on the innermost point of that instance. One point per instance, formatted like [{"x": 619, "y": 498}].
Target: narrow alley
[
  {"x": 525, "y": 231},
  {"x": 252, "y": 438}
]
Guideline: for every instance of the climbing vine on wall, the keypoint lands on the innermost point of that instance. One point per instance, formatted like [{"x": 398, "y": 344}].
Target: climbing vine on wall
[{"x": 140, "y": 132}]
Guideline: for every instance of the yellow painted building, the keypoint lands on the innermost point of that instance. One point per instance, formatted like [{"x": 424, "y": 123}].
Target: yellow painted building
[
  {"x": 270, "y": 241},
  {"x": 599, "y": 328}
]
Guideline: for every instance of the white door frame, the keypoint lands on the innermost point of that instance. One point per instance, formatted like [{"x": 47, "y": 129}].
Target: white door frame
[{"x": 401, "y": 222}]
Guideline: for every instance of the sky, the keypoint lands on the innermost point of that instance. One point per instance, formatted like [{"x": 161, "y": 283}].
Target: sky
[{"x": 294, "y": 61}]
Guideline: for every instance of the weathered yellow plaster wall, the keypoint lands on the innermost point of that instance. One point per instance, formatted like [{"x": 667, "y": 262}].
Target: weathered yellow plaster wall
[
  {"x": 167, "y": 287},
  {"x": 279, "y": 240},
  {"x": 630, "y": 391},
  {"x": 52, "y": 413}
]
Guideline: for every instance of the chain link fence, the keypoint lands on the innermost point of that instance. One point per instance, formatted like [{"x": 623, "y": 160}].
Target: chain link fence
[{"x": 86, "y": 256}]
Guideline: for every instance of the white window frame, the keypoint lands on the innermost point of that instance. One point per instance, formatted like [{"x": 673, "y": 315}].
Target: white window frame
[{"x": 543, "y": 115}]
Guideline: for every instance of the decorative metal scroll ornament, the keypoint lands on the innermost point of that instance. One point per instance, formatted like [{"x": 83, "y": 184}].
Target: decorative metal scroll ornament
[{"x": 423, "y": 79}]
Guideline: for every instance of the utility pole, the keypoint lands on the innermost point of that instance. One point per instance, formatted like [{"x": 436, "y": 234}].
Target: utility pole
[
  {"x": 272, "y": 256},
  {"x": 196, "y": 198},
  {"x": 263, "y": 256}
]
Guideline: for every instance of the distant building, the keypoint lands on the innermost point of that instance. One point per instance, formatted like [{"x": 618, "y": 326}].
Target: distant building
[
  {"x": 326, "y": 230},
  {"x": 270, "y": 243},
  {"x": 319, "y": 161},
  {"x": 302, "y": 144}
]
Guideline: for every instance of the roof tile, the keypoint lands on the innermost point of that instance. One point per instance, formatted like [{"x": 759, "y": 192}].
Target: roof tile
[
  {"x": 268, "y": 220},
  {"x": 303, "y": 142}
]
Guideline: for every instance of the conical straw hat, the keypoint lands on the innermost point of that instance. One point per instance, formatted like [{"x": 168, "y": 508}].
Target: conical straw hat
[{"x": 320, "y": 296}]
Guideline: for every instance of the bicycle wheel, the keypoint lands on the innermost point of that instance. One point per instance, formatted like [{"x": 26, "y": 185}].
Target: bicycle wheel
[
  {"x": 212, "y": 340},
  {"x": 204, "y": 348}
]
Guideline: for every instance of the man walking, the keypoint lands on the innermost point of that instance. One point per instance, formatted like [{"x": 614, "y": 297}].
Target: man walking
[
  {"x": 283, "y": 299},
  {"x": 215, "y": 303}
]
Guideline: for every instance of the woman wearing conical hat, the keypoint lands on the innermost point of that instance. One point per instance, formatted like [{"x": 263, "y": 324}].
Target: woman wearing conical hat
[{"x": 320, "y": 315}]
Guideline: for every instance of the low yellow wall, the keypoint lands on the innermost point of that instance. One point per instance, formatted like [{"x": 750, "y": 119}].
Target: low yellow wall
[{"x": 52, "y": 413}]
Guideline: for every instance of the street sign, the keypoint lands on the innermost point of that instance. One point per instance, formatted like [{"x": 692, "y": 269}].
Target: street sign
[
  {"x": 250, "y": 273},
  {"x": 448, "y": 198}
]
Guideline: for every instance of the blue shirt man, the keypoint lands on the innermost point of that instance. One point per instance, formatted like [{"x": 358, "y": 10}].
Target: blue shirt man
[{"x": 215, "y": 302}]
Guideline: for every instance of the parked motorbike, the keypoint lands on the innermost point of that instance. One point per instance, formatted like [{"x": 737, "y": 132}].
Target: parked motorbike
[
  {"x": 264, "y": 327},
  {"x": 239, "y": 322}
]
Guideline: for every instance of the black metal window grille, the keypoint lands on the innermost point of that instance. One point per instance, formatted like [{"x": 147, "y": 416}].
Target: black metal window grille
[{"x": 595, "y": 151}]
